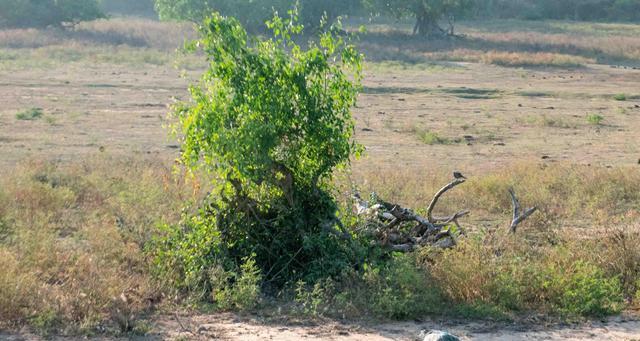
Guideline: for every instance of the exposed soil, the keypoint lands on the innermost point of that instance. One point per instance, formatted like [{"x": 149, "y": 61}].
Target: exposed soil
[
  {"x": 490, "y": 115},
  {"x": 233, "y": 327}
]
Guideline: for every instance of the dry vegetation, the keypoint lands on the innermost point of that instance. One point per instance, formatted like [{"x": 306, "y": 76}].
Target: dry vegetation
[
  {"x": 72, "y": 242},
  {"x": 516, "y": 43},
  {"x": 89, "y": 179}
]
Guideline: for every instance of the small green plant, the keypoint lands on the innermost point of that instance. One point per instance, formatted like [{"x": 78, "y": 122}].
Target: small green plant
[
  {"x": 30, "y": 114},
  {"x": 595, "y": 119},
  {"x": 392, "y": 288},
  {"x": 50, "y": 120},
  {"x": 431, "y": 138},
  {"x": 620, "y": 97},
  {"x": 45, "y": 322},
  {"x": 317, "y": 300},
  {"x": 588, "y": 292},
  {"x": 236, "y": 290}
]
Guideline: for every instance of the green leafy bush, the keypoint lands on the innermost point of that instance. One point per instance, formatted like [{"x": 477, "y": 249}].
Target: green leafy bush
[
  {"x": 269, "y": 122},
  {"x": 585, "y": 291},
  {"x": 43, "y": 13},
  {"x": 318, "y": 299},
  {"x": 395, "y": 288},
  {"x": 400, "y": 289}
]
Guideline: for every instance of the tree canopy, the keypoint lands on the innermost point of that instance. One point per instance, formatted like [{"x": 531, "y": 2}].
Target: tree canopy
[
  {"x": 426, "y": 12},
  {"x": 253, "y": 14}
]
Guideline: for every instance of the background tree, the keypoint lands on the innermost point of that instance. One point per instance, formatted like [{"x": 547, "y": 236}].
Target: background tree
[
  {"x": 143, "y": 8},
  {"x": 43, "y": 13},
  {"x": 253, "y": 14},
  {"x": 427, "y": 13}
]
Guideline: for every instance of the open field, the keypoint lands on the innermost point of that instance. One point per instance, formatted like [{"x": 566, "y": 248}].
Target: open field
[
  {"x": 485, "y": 114},
  {"x": 552, "y": 108}
]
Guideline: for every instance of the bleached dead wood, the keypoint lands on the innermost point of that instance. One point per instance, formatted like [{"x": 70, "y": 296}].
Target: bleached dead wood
[
  {"x": 518, "y": 216},
  {"x": 392, "y": 221}
]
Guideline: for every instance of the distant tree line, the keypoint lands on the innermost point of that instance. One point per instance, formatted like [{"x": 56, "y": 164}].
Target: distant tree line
[
  {"x": 585, "y": 10},
  {"x": 429, "y": 15},
  {"x": 43, "y": 13},
  {"x": 253, "y": 13}
]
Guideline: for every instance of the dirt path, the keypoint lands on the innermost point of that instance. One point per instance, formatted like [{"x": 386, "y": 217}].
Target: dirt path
[{"x": 230, "y": 327}]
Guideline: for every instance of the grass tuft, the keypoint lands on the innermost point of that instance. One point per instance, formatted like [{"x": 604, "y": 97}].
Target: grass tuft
[
  {"x": 595, "y": 119},
  {"x": 31, "y": 114},
  {"x": 432, "y": 138},
  {"x": 620, "y": 97}
]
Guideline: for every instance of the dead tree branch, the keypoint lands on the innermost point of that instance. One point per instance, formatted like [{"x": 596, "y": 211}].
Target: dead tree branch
[
  {"x": 392, "y": 223},
  {"x": 518, "y": 217},
  {"x": 435, "y": 199},
  {"x": 402, "y": 230}
]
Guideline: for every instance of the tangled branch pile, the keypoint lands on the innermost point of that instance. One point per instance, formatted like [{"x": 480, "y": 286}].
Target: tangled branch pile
[{"x": 401, "y": 229}]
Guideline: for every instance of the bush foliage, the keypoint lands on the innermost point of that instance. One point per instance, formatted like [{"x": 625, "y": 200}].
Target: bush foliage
[
  {"x": 33, "y": 13},
  {"x": 269, "y": 121}
]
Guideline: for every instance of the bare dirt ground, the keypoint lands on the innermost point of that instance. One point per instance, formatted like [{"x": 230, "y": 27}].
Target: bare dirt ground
[
  {"x": 233, "y": 327},
  {"x": 490, "y": 115}
]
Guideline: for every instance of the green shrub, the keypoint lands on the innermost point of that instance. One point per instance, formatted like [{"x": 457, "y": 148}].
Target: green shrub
[
  {"x": 400, "y": 289},
  {"x": 394, "y": 288},
  {"x": 586, "y": 291},
  {"x": 43, "y": 13},
  {"x": 595, "y": 119},
  {"x": 269, "y": 121},
  {"x": 431, "y": 138},
  {"x": 30, "y": 114},
  {"x": 620, "y": 97},
  {"x": 236, "y": 290},
  {"x": 318, "y": 299}
]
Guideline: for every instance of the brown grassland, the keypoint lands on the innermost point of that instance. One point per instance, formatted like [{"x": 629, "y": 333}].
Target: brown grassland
[{"x": 550, "y": 108}]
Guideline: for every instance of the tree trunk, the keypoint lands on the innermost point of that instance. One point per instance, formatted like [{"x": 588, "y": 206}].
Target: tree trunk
[{"x": 427, "y": 26}]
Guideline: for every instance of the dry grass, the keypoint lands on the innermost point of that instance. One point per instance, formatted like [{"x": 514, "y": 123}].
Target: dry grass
[
  {"x": 72, "y": 242},
  {"x": 114, "y": 41},
  {"x": 512, "y": 59},
  {"x": 548, "y": 274},
  {"x": 113, "y": 32},
  {"x": 607, "y": 43},
  {"x": 569, "y": 196},
  {"x": 511, "y": 43},
  {"x": 72, "y": 238}
]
